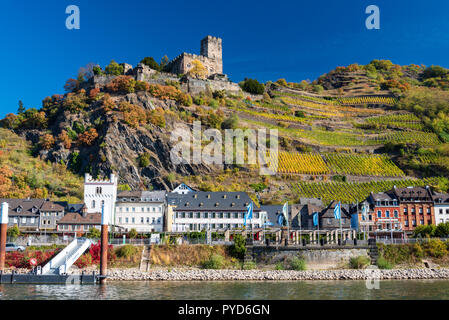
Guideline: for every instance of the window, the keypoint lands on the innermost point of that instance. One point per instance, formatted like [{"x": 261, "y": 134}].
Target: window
[
  {"x": 406, "y": 223},
  {"x": 414, "y": 222},
  {"x": 153, "y": 221},
  {"x": 98, "y": 190},
  {"x": 198, "y": 215},
  {"x": 379, "y": 214},
  {"x": 127, "y": 209},
  {"x": 405, "y": 211},
  {"x": 236, "y": 215},
  {"x": 133, "y": 220},
  {"x": 24, "y": 220},
  {"x": 387, "y": 213},
  {"x": 421, "y": 221},
  {"x": 93, "y": 203},
  {"x": 141, "y": 220},
  {"x": 126, "y": 220},
  {"x": 102, "y": 203},
  {"x": 148, "y": 219},
  {"x": 420, "y": 210},
  {"x": 256, "y": 215},
  {"x": 32, "y": 220},
  {"x": 134, "y": 209},
  {"x": 119, "y": 220},
  {"x": 154, "y": 209},
  {"x": 396, "y": 213},
  {"x": 428, "y": 210}
]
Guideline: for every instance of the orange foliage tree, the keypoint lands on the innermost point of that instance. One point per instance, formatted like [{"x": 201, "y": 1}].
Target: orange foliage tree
[
  {"x": 122, "y": 84},
  {"x": 65, "y": 139},
  {"x": 88, "y": 137},
  {"x": 47, "y": 141}
]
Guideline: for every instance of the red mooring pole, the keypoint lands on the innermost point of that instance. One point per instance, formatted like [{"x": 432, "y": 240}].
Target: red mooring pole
[
  {"x": 104, "y": 245},
  {"x": 3, "y": 229}
]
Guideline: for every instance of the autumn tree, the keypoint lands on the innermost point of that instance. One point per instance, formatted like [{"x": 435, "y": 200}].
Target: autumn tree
[
  {"x": 88, "y": 137},
  {"x": 114, "y": 69},
  {"x": 64, "y": 138},
  {"x": 46, "y": 141},
  {"x": 107, "y": 103},
  {"x": 5, "y": 181},
  {"x": 125, "y": 84},
  {"x": 198, "y": 70}
]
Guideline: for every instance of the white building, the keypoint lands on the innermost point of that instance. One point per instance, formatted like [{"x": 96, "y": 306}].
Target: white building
[
  {"x": 197, "y": 211},
  {"x": 441, "y": 207},
  {"x": 140, "y": 210},
  {"x": 100, "y": 192}
]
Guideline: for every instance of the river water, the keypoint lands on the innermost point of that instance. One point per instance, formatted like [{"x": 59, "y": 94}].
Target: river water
[{"x": 244, "y": 290}]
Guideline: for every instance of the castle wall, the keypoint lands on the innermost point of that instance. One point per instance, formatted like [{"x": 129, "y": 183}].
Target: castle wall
[
  {"x": 184, "y": 62},
  {"x": 195, "y": 86}
]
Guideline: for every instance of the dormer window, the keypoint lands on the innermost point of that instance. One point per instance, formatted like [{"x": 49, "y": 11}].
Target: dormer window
[
  {"x": 208, "y": 196},
  {"x": 187, "y": 204},
  {"x": 224, "y": 196},
  {"x": 195, "y": 196},
  {"x": 19, "y": 209},
  {"x": 232, "y": 204},
  {"x": 201, "y": 204},
  {"x": 237, "y": 196},
  {"x": 216, "y": 204}
]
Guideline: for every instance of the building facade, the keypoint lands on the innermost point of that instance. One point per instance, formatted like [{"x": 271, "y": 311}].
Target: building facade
[
  {"x": 99, "y": 193},
  {"x": 385, "y": 208},
  {"x": 416, "y": 207},
  {"x": 441, "y": 207},
  {"x": 199, "y": 211},
  {"x": 79, "y": 222},
  {"x": 141, "y": 210}
]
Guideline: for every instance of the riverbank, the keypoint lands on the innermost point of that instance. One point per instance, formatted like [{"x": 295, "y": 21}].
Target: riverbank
[{"x": 273, "y": 275}]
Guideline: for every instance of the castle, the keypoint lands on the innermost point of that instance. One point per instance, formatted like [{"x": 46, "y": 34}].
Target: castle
[{"x": 210, "y": 56}]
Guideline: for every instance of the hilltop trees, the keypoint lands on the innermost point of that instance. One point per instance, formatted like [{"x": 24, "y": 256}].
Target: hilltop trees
[
  {"x": 198, "y": 70},
  {"x": 114, "y": 69},
  {"x": 252, "y": 86},
  {"x": 149, "y": 61}
]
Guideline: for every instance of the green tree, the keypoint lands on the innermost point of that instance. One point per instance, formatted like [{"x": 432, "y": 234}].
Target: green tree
[
  {"x": 164, "y": 63},
  {"x": 94, "y": 233},
  {"x": 13, "y": 232},
  {"x": 252, "y": 86},
  {"x": 21, "y": 108},
  {"x": 132, "y": 234},
  {"x": 149, "y": 61},
  {"x": 231, "y": 122},
  {"x": 114, "y": 69},
  {"x": 442, "y": 230},
  {"x": 238, "y": 249}
]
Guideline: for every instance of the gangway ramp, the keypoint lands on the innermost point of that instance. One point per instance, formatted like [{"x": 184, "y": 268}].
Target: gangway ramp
[{"x": 67, "y": 257}]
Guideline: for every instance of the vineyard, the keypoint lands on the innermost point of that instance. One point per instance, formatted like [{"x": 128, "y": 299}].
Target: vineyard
[
  {"x": 353, "y": 191},
  {"x": 382, "y": 100},
  {"x": 438, "y": 160},
  {"x": 416, "y": 137},
  {"x": 407, "y": 121},
  {"x": 337, "y": 163},
  {"x": 367, "y": 165}
]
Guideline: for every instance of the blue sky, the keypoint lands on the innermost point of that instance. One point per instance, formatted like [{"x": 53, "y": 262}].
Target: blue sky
[{"x": 266, "y": 40}]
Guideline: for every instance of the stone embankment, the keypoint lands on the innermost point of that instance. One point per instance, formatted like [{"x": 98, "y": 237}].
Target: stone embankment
[{"x": 275, "y": 275}]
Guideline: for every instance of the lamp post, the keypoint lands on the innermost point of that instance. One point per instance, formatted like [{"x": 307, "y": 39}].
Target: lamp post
[
  {"x": 3, "y": 229},
  {"x": 104, "y": 245}
]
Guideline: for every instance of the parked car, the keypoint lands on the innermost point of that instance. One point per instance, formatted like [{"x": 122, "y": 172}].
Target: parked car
[{"x": 14, "y": 247}]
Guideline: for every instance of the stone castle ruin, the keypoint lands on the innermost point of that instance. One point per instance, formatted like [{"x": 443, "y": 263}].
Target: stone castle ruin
[{"x": 210, "y": 56}]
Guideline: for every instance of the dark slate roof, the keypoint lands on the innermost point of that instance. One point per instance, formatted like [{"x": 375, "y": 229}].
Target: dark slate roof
[
  {"x": 211, "y": 201},
  {"x": 443, "y": 196},
  {"x": 384, "y": 196},
  {"x": 413, "y": 193},
  {"x": 329, "y": 211},
  {"x": 76, "y": 207},
  {"x": 142, "y": 196},
  {"x": 30, "y": 207},
  {"x": 77, "y": 218}
]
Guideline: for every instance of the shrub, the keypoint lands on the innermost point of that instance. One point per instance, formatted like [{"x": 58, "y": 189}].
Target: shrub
[
  {"x": 84, "y": 261},
  {"x": 64, "y": 138},
  {"x": 249, "y": 265},
  {"x": 141, "y": 86},
  {"x": 198, "y": 70},
  {"x": 230, "y": 123},
  {"x": 144, "y": 160},
  {"x": 238, "y": 249},
  {"x": 88, "y": 137},
  {"x": 133, "y": 115},
  {"x": 13, "y": 232},
  {"x": 124, "y": 84},
  {"x": 279, "y": 266},
  {"x": 132, "y": 234},
  {"x": 382, "y": 263},
  {"x": 359, "y": 262},
  {"x": 114, "y": 69},
  {"x": 47, "y": 141},
  {"x": 75, "y": 102},
  {"x": 127, "y": 251},
  {"x": 298, "y": 264},
  {"x": 252, "y": 86},
  {"x": 149, "y": 61},
  {"x": 215, "y": 261},
  {"x": 435, "y": 248},
  {"x": 93, "y": 233}
]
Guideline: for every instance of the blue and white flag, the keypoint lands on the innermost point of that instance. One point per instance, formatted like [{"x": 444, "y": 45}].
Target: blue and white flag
[
  {"x": 364, "y": 210},
  {"x": 249, "y": 213},
  {"x": 315, "y": 219},
  {"x": 285, "y": 212},
  {"x": 281, "y": 219},
  {"x": 337, "y": 211}
]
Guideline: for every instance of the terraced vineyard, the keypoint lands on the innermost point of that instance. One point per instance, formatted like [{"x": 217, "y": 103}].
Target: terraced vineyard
[
  {"x": 352, "y": 192},
  {"x": 382, "y": 100},
  {"x": 338, "y": 163},
  {"x": 407, "y": 121},
  {"x": 418, "y": 137},
  {"x": 367, "y": 165},
  {"x": 435, "y": 159},
  {"x": 300, "y": 163}
]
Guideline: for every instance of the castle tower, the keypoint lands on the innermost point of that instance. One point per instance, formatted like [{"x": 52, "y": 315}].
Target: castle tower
[
  {"x": 100, "y": 192},
  {"x": 211, "y": 47}
]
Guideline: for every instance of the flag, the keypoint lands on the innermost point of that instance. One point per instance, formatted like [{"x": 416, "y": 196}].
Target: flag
[
  {"x": 315, "y": 219},
  {"x": 337, "y": 211},
  {"x": 249, "y": 213},
  {"x": 285, "y": 212},
  {"x": 364, "y": 210},
  {"x": 281, "y": 219}
]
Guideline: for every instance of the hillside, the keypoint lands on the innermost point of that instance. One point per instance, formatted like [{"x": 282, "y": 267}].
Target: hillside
[{"x": 357, "y": 128}]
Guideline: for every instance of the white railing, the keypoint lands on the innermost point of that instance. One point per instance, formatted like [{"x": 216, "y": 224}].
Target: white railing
[{"x": 63, "y": 260}]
